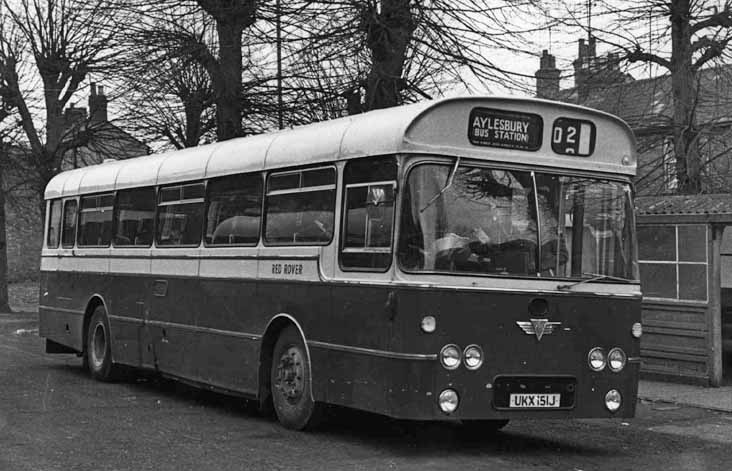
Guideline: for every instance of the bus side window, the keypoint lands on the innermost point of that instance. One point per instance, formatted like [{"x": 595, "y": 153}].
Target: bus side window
[
  {"x": 95, "y": 220},
  {"x": 134, "y": 215},
  {"x": 300, "y": 207},
  {"x": 368, "y": 214},
  {"x": 180, "y": 215},
  {"x": 234, "y": 210},
  {"x": 54, "y": 225},
  {"x": 68, "y": 236}
]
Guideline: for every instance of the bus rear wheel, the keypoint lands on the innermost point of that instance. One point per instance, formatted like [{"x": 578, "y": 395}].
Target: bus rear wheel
[
  {"x": 291, "y": 382},
  {"x": 98, "y": 354}
]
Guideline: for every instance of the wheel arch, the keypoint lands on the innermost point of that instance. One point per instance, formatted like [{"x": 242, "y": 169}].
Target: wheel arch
[{"x": 266, "y": 351}]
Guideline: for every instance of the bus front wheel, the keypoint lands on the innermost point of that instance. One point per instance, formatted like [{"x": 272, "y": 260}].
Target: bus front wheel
[
  {"x": 98, "y": 355},
  {"x": 291, "y": 382}
]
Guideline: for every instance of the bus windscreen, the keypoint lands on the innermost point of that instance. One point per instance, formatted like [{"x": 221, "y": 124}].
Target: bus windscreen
[{"x": 494, "y": 221}]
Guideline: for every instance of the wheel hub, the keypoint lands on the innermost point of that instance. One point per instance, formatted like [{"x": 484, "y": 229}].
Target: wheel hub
[{"x": 290, "y": 374}]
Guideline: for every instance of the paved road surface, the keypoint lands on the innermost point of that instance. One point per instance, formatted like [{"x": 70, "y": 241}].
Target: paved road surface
[{"x": 53, "y": 417}]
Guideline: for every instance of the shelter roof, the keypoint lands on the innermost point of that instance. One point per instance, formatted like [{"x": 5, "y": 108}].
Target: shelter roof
[{"x": 715, "y": 208}]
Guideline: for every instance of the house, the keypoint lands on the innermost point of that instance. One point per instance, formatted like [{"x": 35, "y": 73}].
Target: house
[
  {"x": 647, "y": 106},
  {"x": 685, "y": 241},
  {"x": 99, "y": 140}
]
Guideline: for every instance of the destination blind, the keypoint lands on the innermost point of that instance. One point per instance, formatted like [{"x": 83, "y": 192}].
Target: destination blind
[{"x": 505, "y": 129}]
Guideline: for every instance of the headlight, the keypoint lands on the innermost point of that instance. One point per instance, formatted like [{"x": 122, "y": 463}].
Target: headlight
[
  {"x": 473, "y": 357},
  {"x": 450, "y": 356},
  {"x": 428, "y": 324},
  {"x": 637, "y": 330},
  {"x": 613, "y": 400},
  {"x": 448, "y": 401},
  {"x": 616, "y": 359},
  {"x": 596, "y": 359}
]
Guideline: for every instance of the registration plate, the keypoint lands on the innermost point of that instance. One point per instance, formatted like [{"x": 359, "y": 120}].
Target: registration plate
[{"x": 528, "y": 401}]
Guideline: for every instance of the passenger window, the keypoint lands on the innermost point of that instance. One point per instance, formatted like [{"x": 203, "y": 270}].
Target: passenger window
[
  {"x": 368, "y": 214},
  {"x": 95, "y": 220},
  {"x": 134, "y": 216},
  {"x": 54, "y": 225},
  {"x": 234, "y": 210},
  {"x": 300, "y": 207},
  {"x": 180, "y": 215},
  {"x": 68, "y": 236}
]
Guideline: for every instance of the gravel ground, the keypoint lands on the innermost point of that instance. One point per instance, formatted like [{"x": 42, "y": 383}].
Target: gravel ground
[{"x": 23, "y": 296}]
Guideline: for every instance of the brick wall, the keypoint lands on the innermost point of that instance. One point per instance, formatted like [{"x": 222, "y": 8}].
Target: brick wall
[{"x": 24, "y": 230}]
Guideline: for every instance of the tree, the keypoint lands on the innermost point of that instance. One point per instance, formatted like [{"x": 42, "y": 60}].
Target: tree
[
  {"x": 207, "y": 32},
  {"x": 370, "y": 54},
  {"x": 682, "y": 37},
  {"x": 57, "y": 44},
  {"x": 171, "y": 99},
  {"x": 9, "y": 53},
  {"x": 232, "y": 17},
  {"x": 5, "y": 110}
]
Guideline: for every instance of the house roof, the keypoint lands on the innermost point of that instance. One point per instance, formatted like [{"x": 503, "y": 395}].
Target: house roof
[
  {"x": 714, "y": 208},
  {"x": 647, "y": 104}
]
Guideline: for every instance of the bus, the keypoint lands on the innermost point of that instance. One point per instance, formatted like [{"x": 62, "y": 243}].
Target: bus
[{"x": 468, "y": 259}]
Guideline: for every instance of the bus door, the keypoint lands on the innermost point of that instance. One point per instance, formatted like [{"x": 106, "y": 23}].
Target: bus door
[{"x": 175, "y": 286}]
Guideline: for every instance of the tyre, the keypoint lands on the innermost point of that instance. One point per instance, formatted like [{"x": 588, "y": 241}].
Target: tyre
[
  {"x": 291, "y": 382},
  {"x": 98, "y": 354}
]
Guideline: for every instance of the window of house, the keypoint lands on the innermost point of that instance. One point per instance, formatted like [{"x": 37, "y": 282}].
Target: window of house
[
  {"x": 134, "y": 216},
  {"x": 95, "y": 220},
  {"x": 368, "y": 218},
  {"x": 234, "y": 210},
  {"x": 68, "y": 235},
  {"x": 54, "y": 225},
  {"x": 673, "y": 261},
  {"x": 300, "y": 207},
  {"x": 180, "y": 215}
]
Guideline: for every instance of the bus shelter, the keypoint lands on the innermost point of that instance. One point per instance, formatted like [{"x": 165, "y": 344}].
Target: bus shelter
[{"x": 685, "y": 258}]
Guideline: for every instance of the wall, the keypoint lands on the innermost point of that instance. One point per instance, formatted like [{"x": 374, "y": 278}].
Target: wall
[
  {"x": 674, "y": 341},
  {"x": 23, "y": 231}
]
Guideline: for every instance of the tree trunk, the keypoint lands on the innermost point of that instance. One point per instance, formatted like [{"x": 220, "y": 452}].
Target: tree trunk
[
  {"x": 227, "y": 81},
  {"x": 388, "y": 35},
  {"x": 4, "y": 300},
  {"x": 684, "y": 88}
]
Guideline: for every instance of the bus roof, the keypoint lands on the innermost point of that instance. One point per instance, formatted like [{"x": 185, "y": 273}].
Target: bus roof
[{"x": 434, "y": 127}]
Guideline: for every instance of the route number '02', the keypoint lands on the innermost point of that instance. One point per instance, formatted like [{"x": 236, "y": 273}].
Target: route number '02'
[{"x": 573, "y": 137}]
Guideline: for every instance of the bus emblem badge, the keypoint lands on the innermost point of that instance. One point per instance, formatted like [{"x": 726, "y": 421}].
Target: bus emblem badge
[{"x": 538, "y": 327}]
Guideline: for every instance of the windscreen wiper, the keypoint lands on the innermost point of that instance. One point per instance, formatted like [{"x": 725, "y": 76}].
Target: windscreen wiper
[
  {"x": 592, "y": 277},
  {"x": 444, "y": 189}
]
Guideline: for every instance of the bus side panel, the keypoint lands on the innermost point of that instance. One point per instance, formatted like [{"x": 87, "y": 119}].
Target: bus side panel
[
  {"x": 126, "y": 302},
  {"x": 388, "y": 386},
  {"x": 228, "y": 352},
  {"x": 175, "y": 342},
  {"x": 308, "y": 303},
  {"x": 352, "y": 365},
  {"x": 58, "y": 317}
]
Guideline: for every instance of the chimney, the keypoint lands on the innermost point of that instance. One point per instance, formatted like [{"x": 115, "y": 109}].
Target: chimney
[
  {"x": 97, "y": 104},
  {"x": 583, "y": 67},
  {"x": 547, "y": 77},
  {"x": 73, "y": 115}
]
